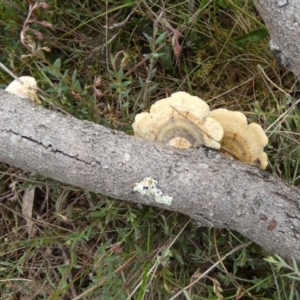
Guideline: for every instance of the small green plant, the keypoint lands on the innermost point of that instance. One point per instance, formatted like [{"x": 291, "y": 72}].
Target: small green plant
[{"x": 286, "y": 277}]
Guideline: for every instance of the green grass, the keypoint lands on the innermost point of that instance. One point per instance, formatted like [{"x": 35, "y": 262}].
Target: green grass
[{"x": 106, "y": 61}]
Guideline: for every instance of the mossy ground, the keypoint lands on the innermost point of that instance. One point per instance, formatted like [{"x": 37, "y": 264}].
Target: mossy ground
[{"x": 106, "y": 61}]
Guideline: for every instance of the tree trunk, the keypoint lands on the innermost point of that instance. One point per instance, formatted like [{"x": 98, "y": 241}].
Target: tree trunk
[
  {"x": 282, "y": 18},
  {"x": 213, "y": 189}
]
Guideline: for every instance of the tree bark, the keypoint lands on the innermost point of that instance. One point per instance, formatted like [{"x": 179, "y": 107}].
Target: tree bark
[
  {"x": 282, "y": 18},
  {"x": 211, "y": 188}
]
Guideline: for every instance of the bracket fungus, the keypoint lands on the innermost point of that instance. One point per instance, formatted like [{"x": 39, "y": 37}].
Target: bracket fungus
[
  {"x": 181, "y": 120},
  {"x": 24, "y": 87},
  {"x": 242, "y": 141},
  {"x": 185, "y": 121}
]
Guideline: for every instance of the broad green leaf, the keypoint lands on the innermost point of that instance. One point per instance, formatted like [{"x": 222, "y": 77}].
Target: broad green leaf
[{"x": 252, "y": 37}]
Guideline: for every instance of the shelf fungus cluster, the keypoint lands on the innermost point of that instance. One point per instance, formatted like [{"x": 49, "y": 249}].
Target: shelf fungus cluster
[
  {"x": 24, "y": 87},
  {"x": 182, "y": 121},
  {"x": 185, "y": 121}
]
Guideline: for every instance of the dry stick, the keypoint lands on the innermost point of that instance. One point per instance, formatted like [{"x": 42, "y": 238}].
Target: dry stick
[
  {"x": 11, "y": 73},
  {"x": 212, "y": 267}
]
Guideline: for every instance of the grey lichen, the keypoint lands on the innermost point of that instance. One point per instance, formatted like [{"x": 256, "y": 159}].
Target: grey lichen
[{"x": 148, "y": 187}]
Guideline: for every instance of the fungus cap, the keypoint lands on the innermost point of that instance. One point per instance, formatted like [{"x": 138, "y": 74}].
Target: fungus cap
[
  {"x": 242, "y": 141},
  {"x": 25, "y": 90},
  {"x": 180, "y": 120}
]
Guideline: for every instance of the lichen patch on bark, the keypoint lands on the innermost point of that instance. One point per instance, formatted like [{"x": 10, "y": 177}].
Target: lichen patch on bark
[{"x": 148, "y": 187}]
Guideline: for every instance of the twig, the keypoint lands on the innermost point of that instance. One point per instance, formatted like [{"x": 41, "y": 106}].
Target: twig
[{"x": 11, "y": 73}]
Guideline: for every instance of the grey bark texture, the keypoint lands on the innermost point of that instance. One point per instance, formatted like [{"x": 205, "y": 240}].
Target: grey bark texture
[
  {"x": 202, "y": 183},
  {"x": 282, "y": 18}
]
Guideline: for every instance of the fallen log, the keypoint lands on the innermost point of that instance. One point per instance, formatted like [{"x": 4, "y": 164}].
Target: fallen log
[{"x": 204, "y": 184}]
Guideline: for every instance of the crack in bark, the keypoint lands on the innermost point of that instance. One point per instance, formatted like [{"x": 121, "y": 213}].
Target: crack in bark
[{"x": 49, "y": 147}]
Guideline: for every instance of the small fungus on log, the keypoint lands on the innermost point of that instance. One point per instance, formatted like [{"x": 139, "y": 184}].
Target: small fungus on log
[{"x": 24, "y": 87}]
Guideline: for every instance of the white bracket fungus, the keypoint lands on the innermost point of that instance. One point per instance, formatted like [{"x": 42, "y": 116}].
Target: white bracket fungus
[
  {"x": 24, "y": 87},
  {"x": 148, "y": 187},
  {"x": 185, "y": 121},
  {"x": 180, "y": 120}
]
